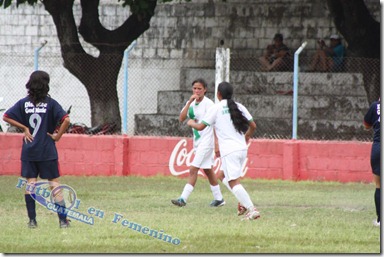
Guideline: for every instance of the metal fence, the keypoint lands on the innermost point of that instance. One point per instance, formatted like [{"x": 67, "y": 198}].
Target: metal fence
[{"x": 331, "y": 105}]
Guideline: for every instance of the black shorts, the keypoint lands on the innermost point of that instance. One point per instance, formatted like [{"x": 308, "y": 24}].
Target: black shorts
[
  {"x": 375, "y": 158},
  {"x": 44, "y": 169}
]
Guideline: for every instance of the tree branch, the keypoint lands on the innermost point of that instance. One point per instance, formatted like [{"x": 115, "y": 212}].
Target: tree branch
[{"x": 116, "y": 40}]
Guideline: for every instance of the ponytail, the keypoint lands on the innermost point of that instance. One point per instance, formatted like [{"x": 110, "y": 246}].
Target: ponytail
[{"x": 240, "y": 123}]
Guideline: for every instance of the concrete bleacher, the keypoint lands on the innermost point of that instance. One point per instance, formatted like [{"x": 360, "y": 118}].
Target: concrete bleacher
[{"x": 330, "y": 105}]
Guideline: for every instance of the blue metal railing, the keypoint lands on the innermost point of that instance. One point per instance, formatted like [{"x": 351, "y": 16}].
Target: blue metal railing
[{"x": 295, "y": 88}]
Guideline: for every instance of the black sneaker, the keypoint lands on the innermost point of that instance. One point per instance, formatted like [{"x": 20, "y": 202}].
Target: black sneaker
[
  {"x": 32, "y": 223},
  {"x": 64, "y": 223},
  {"x": 217, "y": 203}
]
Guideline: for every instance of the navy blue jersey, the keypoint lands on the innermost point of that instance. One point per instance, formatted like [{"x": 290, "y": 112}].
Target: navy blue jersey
[
  {"x": 39, "y": 119},
  {"x": 372, "y": 119}
]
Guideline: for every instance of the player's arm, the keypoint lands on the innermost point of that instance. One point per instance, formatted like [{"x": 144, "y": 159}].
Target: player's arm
[
  {"x": 63, "y": 127},
  {"x": 250, "y": 131},
  {"x": 367, "y": 121},
  {"x": 197, "y": 126},
  {"x": 184, "y": 112},
  {"x": 367, "y": 126},
  {"x": 27, "y": 135},
  {"x": 216, "y": 140}
]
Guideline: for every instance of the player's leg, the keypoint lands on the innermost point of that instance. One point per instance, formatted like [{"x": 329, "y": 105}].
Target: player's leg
[
  {"x": 29, "y": 171},
  {"x": 377, "y": 199},
  {"x": 198, "y": 160},
  {"x": 188, "y": 188},
  {"x": 220, "y": 175},
  {"x": 206, "y": 162},
  {"x": 50, "y": 170},
  {"x": 58, "y": 198},
  {"x": 218, "y": 199},
  {"x": 375, "y": 164},
  {"x": 233, "y": 164}
]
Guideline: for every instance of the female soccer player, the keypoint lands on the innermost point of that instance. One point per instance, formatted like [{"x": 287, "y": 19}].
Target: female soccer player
[
  {"x": 372, "y": 120},
  {"x": 203, "y": 144},
  {"x": 234, "y": 127},
  {"x": 37, "y": 115}
]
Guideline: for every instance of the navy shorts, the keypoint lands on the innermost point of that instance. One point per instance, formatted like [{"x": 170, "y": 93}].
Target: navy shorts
[
  {"x": 375, "y": 158},
  {"x": 44, "y": 169}
]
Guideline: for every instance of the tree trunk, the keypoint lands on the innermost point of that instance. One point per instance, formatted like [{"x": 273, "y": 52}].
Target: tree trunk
[
  {"x": 362, "y": 32},
  {"x": 98, "y": 74}
]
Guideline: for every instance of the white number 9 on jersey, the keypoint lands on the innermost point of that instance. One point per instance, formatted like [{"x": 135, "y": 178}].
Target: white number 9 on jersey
[{"x": 34, "y": 122}]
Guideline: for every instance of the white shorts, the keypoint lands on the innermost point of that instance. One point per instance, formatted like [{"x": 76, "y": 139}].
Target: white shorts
[
  {"x": 203, "y": 158},
  {"x": 232, "y": 164}
]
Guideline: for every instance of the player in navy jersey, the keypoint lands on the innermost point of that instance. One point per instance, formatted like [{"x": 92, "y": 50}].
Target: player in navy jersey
[
  {"x": 37, "y": 115},
  {"x": 372, "y": 120}
]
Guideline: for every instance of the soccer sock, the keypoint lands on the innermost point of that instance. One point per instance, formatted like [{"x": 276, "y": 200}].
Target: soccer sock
[
  {"x": 377, "y": 203},
  {"x": 225, "y": 182},
  {"x": 31, "y": 206},
  {"x": 188, "y": 188},
  {"x": 62, "y": 214},
  {"x": 216, "y": 192},
  {"x": 242, "y": 196}
]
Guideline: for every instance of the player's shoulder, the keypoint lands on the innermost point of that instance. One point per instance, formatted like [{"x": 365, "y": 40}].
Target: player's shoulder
[
  {"x": 52, "y": 101},
  {"x": 22, "y": 102},
  {"x": 240, "y": 105},
  {"x": 208, "y": 100}
]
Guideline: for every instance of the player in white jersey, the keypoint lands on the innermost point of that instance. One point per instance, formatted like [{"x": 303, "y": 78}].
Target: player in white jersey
[
  {"x": 203, "y": 145},
  {"x": 234, "y": 127}
]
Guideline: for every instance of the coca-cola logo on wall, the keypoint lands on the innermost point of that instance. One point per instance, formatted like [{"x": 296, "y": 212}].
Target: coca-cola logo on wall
[{"x": 181, "y": 159}]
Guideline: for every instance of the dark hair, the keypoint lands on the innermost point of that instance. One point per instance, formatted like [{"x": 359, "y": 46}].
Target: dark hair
[
  {"x": 201, "y": 81},
  {"x": 38, "y": 86},
  {"x": 278, "y": 36},
  {"x": 239, "y": 121}
]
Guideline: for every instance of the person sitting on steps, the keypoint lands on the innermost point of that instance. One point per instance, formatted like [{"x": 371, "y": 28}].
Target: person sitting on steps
[
  {"x": 277, "y": 56},
  {"x": 329, "y": 58}
]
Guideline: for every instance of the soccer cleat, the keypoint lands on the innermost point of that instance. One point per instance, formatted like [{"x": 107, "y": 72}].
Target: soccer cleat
[
  {"x": 252, "y": 214},
  {"x": 179, "y": 202},
  {"x": 32, "y": 223},
  {"x": 217, "y": 203},
  {"x": 64, "y": 223},
  {"x": 376, "y": 223},
  {"x": 240, "y": 209}
]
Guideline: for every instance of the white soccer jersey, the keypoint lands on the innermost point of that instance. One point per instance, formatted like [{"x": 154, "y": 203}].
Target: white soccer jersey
[
  {"x": 204, "y": 138},
  {"x": 229, "y": 139}
]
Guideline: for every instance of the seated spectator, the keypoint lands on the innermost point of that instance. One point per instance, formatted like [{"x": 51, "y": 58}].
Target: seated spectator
[
  {"x": 329, "y": 58},
  {"x": 277, "y": 56}
]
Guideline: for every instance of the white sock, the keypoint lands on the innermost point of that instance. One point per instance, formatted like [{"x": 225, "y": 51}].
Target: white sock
[
  {"x": 225, "y": 182},
  {"x": 242, "y": 196},
  {"x": 216, "y": 192},
  {"x": 188, "y": 188}
]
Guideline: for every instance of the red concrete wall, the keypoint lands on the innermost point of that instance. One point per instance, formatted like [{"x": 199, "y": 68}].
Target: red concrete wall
[{"x": 147, "y": 156}]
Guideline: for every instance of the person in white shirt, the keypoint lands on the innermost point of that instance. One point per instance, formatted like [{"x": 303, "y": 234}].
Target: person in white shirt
[
  {"x": 203, "y": 144},
  {"x": 234, "y": 127}
]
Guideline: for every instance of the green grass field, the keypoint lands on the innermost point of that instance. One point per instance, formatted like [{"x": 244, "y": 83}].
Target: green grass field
[{"x": 296, "y": 217}]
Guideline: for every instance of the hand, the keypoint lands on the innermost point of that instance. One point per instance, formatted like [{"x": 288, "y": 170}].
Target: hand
[
  {"x": 27, "y": 135},
  {"x": 217, "y": 153},
  {"x": 53, "y": 136},
  {"x": 190, "y": 122},
  {"x": 193, "y": 97}
]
